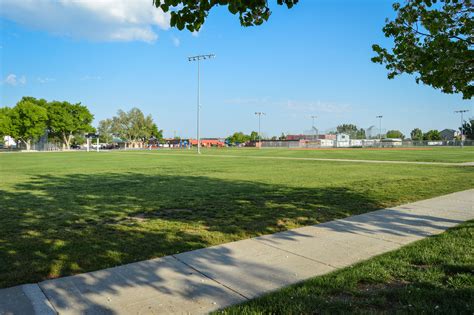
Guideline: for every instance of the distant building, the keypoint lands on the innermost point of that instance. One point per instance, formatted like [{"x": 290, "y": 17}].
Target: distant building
[
  {"x": 207, "y": 143},
  {"x": 9, "y": 142},
  {"x": 343, "y": 140},
  {"x": 310, "y": 137},
  {"x": 448, "y": 134}
]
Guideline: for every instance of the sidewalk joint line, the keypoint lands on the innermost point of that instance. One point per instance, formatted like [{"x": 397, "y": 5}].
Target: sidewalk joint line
[
  {"x": 202, "y": 273},
  {"x": 287, "y": 251}
]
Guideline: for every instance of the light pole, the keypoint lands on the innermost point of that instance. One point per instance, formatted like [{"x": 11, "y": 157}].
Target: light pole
[
  {"x": 198, "y": 59},
  {"x": 462, "y": 111},
  {"x": 314, "y": 117},
  {"x": 259, "y": 114},
  {"x": 380, "y": 126}
]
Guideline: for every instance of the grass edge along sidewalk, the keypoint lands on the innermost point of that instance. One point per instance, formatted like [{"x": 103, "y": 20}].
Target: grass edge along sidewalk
[
  {"x": 433, "y": 275},
  {"x": 208, "y": 279}
]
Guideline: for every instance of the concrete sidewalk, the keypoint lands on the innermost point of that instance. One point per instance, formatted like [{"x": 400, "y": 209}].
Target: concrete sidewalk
[{"x": 207, "y": 279}]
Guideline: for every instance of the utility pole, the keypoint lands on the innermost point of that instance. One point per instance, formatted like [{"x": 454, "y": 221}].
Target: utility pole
[
  {"x": 462, "y": 111},
  {"x": 198, "y": 59},
  {"x": 259, "y": 114},
  {"x": 380, "y": 126}
]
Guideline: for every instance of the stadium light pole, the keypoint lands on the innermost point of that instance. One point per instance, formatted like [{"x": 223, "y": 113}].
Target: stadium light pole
[
  {"x": 198, "y": 58},
  {"x": 380, "y": 126},
  {"x": 462, "y": 111},
  {"x": 259, "y": 114},
  {"x": 313, "y": 118}
]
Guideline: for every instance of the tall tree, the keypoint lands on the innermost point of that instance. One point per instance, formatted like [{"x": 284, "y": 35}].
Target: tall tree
[
  {"x": 191, "y": 14},
  {"x": 360, "y": 134},
  {"x": 432, "y": 135},
  {"x": 253, "y": 136},
  {"x": 105, "y": 131},
  {"x": 468, "y": 129},
  {"x": 66, "y": 119},
  {"x": 28, "y": 122},
  {"x": 395, "y": 134},
  {"x": 352, "y": 131},
  {"x": 132, "y": 126},
  {"x": 433, "y": 39},
  {"x": 416, "y": 134},
  {"x": 238, "y": 137},
  {"x": 156, "y": 133}
]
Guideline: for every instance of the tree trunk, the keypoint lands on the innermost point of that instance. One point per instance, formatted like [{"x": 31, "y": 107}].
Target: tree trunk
[
  {"x": 28, "y": 144},
  {"x": 67, "y": 141}
]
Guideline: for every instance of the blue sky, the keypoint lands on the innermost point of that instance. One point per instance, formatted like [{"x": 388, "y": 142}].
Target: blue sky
[{"x": 311, "y": 60}]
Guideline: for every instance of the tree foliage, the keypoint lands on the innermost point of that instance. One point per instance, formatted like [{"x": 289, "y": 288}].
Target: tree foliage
[
  {"x": 468, "y": 129},
  {"x": 191, "y": 14},
  {"x": 66, "y": 119},
  {"x": 395, "y": 134},
  {"x": 133, "y": 126},
  {"x": 106, "y": 134},
  {"x": 432, "y": 135},
  {"x": 416, "y": 134},
  {"x": 433, "y": 39},
  {"x": 28, "y": 121},
  {"x": 156, "y": 133},
  {"x": 352, "y": 131},
  {"x": 5, "y": 121},
  {"x": 240, "y": 137}
]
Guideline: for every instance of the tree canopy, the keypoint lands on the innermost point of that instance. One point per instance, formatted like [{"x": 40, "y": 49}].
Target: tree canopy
[
  {"x": 191, "y": 14},
  {"x": 416, "y": 134},
  {"x": 395, "y": 134},
  {"x": 352, "y": 131},
  {"x": 32, "y": 118},
  {"x": 28, "y": 121},
  {"x": 434, "y": 40},
  {"x": 66, "y": 119},
  {"x": 133, "y": 126},
  {"x": 468, "y": 129},
  {"x": 240, "y": 137},
  {"x": 432, "y": 135},
  {"x": 5, "y": 121}
]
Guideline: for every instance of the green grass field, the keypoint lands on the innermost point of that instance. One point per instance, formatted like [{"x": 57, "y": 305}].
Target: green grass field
[
  {"x": 67, "y": 213},
  {"x": 424, "y": 154},
  {"x": 432, "y": 276}
]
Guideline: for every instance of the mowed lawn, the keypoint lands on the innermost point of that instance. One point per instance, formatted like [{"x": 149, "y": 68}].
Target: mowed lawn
[
  {"x": 431, "y": 276},
  {"x": 424, "y": 154},
  {"x": 67, "y": 213}
]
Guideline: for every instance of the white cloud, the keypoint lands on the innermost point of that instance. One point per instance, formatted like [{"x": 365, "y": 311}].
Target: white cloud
[
  {"x": 14, "y": 80},
  {"x": 45, "y": 80},
  {"x": 176, "y": 41},
  {"x": 312, "y": 107},
  {"x": 295, "y": 106},
  {"x": 91, "y": 77},
  {"x": 98, "y": 20}
]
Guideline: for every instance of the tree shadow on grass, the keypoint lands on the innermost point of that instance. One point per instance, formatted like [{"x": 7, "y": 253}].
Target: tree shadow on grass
[
  {"x": 55, "y": 226},
  {"x": 60, "y": 225}
]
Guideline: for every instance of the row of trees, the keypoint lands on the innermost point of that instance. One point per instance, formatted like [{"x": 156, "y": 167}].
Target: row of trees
[
  {"x": 33, "y": 118},
  {"x": 359, "y": 133},
  {"x": 133, "y": 127},
  {"x": 418, "y": 135},
  {"x": 240, "y": 137},
  {"x": 352, "y": 131}
]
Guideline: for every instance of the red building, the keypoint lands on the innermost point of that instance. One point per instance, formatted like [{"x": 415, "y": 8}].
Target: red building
[{"x": 207, "y": 143}]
